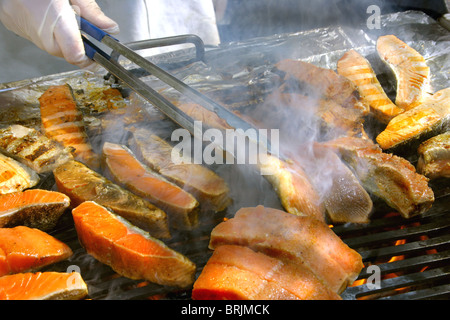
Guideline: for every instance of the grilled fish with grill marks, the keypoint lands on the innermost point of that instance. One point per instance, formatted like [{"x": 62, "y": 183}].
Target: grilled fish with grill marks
[
  {"x": 63, "y": 121},
  {"x": 410, "y": 69},
  {"x": 357, "y": 69},
  {"x": 15, "y": 176},
  {"x": 430, "y": 118},
  {"x": 32, "y": 148}
]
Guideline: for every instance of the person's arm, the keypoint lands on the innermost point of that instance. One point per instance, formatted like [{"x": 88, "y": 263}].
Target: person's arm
[{"x": 52, "y": 25}]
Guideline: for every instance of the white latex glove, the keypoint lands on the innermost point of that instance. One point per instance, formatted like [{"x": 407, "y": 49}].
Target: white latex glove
[{"x": 53, "y": 27}]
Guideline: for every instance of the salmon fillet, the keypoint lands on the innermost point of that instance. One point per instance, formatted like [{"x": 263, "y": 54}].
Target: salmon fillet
[
  {"x": 34, "y": 208},
  {"x": 290, "y": 182},
  {"x": 128, "y": 250},
  {"x": 126, "y": 170},
  {"x": 43, "y": 286},
  {"x": 410, "y": 69},
  {"x": 63, "y": 121},
  {"x": 343, "y": 196},
  {"x": 32, "y": 148},
  {"x": 24, "y": 249},
  {"x": 357, "y": 69},
  {"x": 391, "y": 178},
  {"x": 320, "y": 83},
  {"x": 431, "y": 117},
  {"x": 434, "y": 157},
  {"x": 208, "y": 187},
  {"x": 15, "y": 176},
  {"x": 301, "y": 240},
  {"x": 81, "y": 184},
  {"x": 228, "y": 259}
]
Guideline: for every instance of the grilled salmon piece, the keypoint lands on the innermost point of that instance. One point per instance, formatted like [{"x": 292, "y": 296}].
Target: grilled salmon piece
[
  {"x": 290, "y": 182},
  {"x": 430, "y": 118},
  {"x": 81, "y": 184},
  {"x": 208, "y": 187},
  {"x": 410, "y": 69},
  {"x": 63, "y": 121},
  {"x": 301, "y": 240},
  {"x": 227, "y": 282},
  {"x": 343, "y": 196},
  {"x": 128, "y": 250},
  {"x": 24, "y": 249},
  {"x": 297, "y": 280},
  {"x": 43, "y": 286},
  {"x": 126, "y": 170},
  {"x": 15, "y": 176},
  {"x": 391, "y": 178},
  {"x": 357, "y": 69},
  {"x": 34, "y": 208},
  {"x": 320, "y": 83},
  {"x": 32, "y": 148},
  {"x": 434, "y": 157}
]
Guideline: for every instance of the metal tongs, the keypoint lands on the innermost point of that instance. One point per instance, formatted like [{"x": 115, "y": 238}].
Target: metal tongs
[{"x": 111, "y": 64}]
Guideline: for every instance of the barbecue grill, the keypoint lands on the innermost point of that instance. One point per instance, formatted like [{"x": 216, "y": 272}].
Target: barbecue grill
[{"x": 404, "y": 259}]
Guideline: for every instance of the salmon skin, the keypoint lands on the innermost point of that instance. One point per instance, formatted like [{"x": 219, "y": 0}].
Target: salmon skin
[
  {"x": 15, "y": 176},
  {"x": 208, "y": 188},
  {"x": 126, "y": 170},
  {"x": 43, "y": 286},
  {"x": 357, "y": 69},
  {"x": 81, "y": 184},
  {"x": 410, "y": 69},
  {"x": 434, "y": 157},
  {"x": 343, "y": 196},
  {"x": 302, "y": 240},
  {"x": 32, "y": 148},
  {"x": 63, "y": 121},
  {"x": 24, "y": 249},
  {"x": 130, "y": 251},
  {"x": 430, "y": 118},
  {"x": 389, "y": 177},
  {"x": 297, "y": 195},
  {"x": 34, "y": 208},
  {"x": 260, "y": 277}
]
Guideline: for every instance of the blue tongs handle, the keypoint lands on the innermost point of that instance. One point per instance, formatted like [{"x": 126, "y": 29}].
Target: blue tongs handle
[{"x": 97, "y": 34}]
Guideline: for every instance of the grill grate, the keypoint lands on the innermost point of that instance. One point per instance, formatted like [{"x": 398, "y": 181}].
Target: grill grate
[{"x": 422, "y": 242}]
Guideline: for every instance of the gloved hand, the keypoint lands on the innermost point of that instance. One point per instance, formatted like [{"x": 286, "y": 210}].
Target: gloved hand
[{"x": 53, "y": 27}]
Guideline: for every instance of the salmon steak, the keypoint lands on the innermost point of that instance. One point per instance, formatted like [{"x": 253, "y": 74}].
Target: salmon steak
[
  {"x": 43, "y": 286},
  {"x": 389, "y": 177},
  {"x": 32, "y": 148},
  {"x": 434, "y": 157},
  {"x": 292, "y": 185},
  {"x": 357, "y": 69},
  {"x": 125, "y": 169},
  {"x": 24, "y": 249},
  {"x": 273, "y": 278},
  {"x": 128, "y": 250},
  {"x": 63, "y": 121},
  {"x": 429, "y": 118},
  {"x": 208, "y": 187},
  {"x": 320, "y": 83},
  {"x": 81, "y": 184},
  {"x": 410, "y": 69},
  {"x": 14, "y": 176},
  {"x": 301, "y": 240},
  {"x": 33, "y": 208},
  {"x": 344, "y": 198}
]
